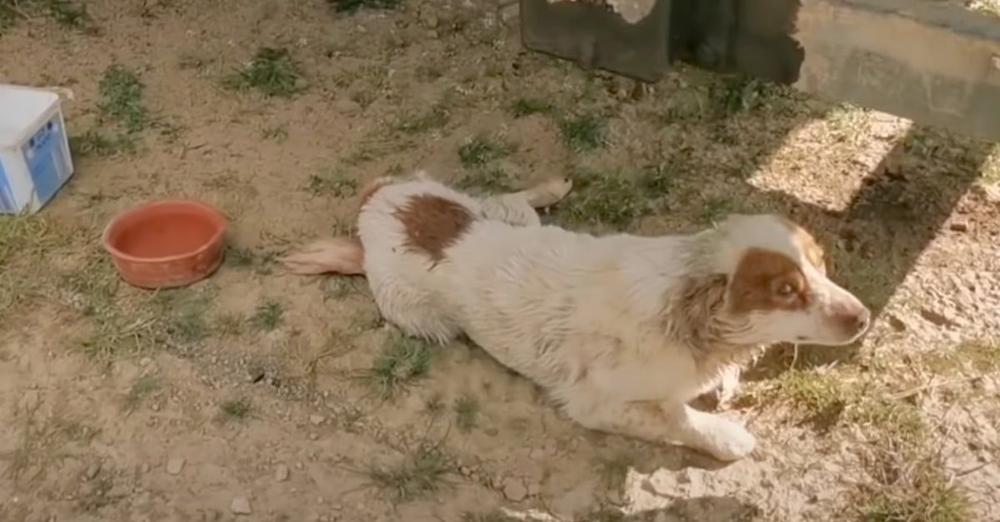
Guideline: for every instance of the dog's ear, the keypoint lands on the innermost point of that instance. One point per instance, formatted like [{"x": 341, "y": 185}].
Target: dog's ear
[{"x": 699, "y": 299}]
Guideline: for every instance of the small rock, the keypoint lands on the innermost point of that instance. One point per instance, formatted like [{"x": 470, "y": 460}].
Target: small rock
[
  {"x": 174, "y": 466},
  {"x": 240, "y": 506},
  {"x": 514, "y": 490},
  {"x": 145, "y": 361},
  {"x": 92, "y": 471},
  {"x": 313, "y": 436},
  {"x": 316, "y": 420},
  {"x": 959, "y": 226},
  {"x": 896, "y": 323},
  {"x": 281, "y": 473},
  {"x": 937, "y": 318},
  {"x": 144, "y": 468}
]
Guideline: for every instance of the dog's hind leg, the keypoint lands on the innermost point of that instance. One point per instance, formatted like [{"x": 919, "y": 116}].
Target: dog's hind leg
[
  {"x": 340, "y": 255},
  {"x": 518, "y": 208}
]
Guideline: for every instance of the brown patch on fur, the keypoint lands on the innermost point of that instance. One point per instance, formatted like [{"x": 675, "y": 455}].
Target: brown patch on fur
[
  {"x": 433, "y": 223},
  {"x": 766, "y": 280},
  {"x": 806, "y": 242},
  {"x": 370, "y": 189}
]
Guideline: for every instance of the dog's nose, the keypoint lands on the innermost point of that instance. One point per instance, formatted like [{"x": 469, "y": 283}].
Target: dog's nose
[{"x": 854, "y": 319}]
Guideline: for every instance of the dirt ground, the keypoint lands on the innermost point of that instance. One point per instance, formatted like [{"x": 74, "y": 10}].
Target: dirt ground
[{"x": 255, "y": 395}]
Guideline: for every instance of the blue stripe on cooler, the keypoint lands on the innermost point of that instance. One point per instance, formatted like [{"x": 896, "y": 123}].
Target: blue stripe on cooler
[{"x": 7, "y": 205}]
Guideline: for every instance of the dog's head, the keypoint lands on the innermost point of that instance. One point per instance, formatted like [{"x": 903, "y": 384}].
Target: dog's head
[{"x": 776, "y": 286}]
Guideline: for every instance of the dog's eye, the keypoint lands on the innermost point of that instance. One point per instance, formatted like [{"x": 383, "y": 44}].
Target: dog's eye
[{"x": 786, "y": 290}]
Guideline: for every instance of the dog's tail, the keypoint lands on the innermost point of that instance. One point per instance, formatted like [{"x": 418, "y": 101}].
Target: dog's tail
[{"x": 341, "y": 255}]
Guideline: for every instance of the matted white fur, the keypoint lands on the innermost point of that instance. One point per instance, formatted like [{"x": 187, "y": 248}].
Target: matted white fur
[{"x": 599, "y": 322}]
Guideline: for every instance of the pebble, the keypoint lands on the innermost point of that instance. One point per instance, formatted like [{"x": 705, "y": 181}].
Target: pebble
[
  {"x": 316, "y": 420},
  {"x": 514, "y": 490},
  {"x": 174, "y": 466},
  {"x": 313, "y": 436},
  {"x": 281, "y": 473},
  {"x": 92, "y": 470},
  {"x": 960, "y": 226},
  {"x": 240, "y": 506}
]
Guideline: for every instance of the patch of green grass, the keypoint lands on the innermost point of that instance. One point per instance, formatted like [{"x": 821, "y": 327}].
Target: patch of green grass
[
  {"x": 609, "y": 199},
  {"x": 738, "y": 94},
  {"x": 490, "y": 180},
  {"x": 334, "y": 183},
  {"x": 121, "y": 98},
  {"x": 268, "y": 316},
  {"x": 351, "y": 6},
  {"x": 140, "y": 389},
  {"x": 95, "y": 143},
  {"x": 403, "y": 359},
  {"x": 183, "y": 315},
  {"x": 585, "y": 132},
  {"x": 235, "y": 409},
  {"x": 272, "y": 72},
  {"x": 66, "y": 13},
  {"x": 466, "y": 410},
  {"x": 481, "y": 150},
  {"x": 528, "y": 106},
  {"x": 418, "y": 474}
]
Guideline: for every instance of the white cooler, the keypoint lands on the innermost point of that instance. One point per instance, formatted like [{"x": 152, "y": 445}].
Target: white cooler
[{"x": 34, "y": 149}]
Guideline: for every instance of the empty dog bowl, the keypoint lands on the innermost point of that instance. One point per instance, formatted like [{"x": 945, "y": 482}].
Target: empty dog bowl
[{"x": 166, "y": 244}]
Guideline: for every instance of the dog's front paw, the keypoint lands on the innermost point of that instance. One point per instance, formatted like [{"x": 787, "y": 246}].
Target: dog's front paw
[
  {"x": 549, "y": 192},
  {"x": 728, "y": 441}
]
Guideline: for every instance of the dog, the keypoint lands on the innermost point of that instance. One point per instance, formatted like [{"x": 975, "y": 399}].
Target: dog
[{"x": 621, "y": 331}]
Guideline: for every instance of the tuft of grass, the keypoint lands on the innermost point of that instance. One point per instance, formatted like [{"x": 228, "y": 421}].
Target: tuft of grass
[
  {"x": 278, "y": 133},
  {"x": 418, "y": 474},
  {"x": 715, "y": 209},
  {"x": 481, "y": 150},
  {"x": 94, "y": 143},
  {"x": 527, "y": 106},
  {"x": 613, "y": 470},
  {"x": 585, "y": 132},
  {"x": 336, "y": 288},
  {"x": 351, "y": 6},
  {"x": 738, "y": 94},
  {"x": 434, "y": 405},
  {"x": 235, "y": 409},
  {"x": 909, "y": 483},
  {"x": 69, "y": 14},
  {"x": 268, "y": 316},
  {"x": 272, "y": 72},
  {"x": 969, "y": 358},
  {"x": 229, "y": 324},
  {"x": 402, "y": 360},
  {"x": 246, "y": 258},
  {"x": 332, "y": 182},
  {"x": 608, "y": 199},
  {"x": 121, "y": 99},
  {"x": 140, "y": 389},
  {"x": 491, "y": 180},
  {"x": 466, "y": 410},
  {"x": 435, "y": 117}
]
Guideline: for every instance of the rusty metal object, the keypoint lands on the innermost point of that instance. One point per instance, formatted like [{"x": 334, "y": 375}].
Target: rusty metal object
[{"x": 936, "y": 64}]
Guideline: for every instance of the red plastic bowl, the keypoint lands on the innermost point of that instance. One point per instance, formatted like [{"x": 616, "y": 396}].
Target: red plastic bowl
[{"x": 166, "y": 244}]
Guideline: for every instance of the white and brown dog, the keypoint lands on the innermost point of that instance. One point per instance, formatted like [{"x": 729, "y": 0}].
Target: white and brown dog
[{"x": 622, "y": 331}]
